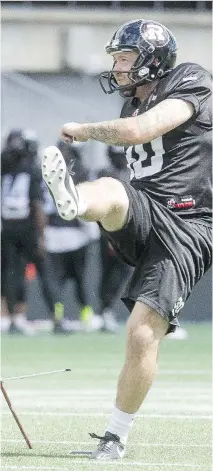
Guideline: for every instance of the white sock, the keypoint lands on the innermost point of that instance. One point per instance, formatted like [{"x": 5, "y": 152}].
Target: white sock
[
  {"x": 5, "y": 323},
  {"x": 20, "y": 319},
  {"x": 120, "y": 424}
]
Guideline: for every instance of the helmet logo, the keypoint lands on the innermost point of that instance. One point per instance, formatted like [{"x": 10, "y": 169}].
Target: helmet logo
[{"x": 154, "y": 34}]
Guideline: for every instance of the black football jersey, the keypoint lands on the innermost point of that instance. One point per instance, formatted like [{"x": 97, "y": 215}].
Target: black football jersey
[
  {"x": 175, "y": 169},
  {"x": 21, "y": 184}
]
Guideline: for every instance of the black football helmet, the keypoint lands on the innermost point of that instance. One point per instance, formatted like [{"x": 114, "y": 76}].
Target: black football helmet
[
  {"x": 15, "y": 140},
  {"x": 22, "y": 143},
  {"x": 156, "y": 48}
]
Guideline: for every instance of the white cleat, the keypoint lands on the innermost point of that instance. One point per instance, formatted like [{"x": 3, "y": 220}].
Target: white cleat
[
  {"x": 109, "y": 448},
  {"x": 60, "y": 183}
]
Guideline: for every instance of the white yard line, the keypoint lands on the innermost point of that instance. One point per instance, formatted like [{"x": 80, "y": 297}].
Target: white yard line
[
  {"x": 104, "y": 392},
  {"x": 184, "y": 372},
  {"x": 107, "y": 393},
  {"x": 108, "y": 398},
  {"x": 111, "y": 463},
  {"x": 103, "y": 414},
  {"x": 137, "y": 444},
  {"x": 107, "y": 406},
  {"x": 37, "y": 467},
  {"x": 142, "y": 464}
]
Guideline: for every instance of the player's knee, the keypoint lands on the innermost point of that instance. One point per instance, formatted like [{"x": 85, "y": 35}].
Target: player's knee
[
  {"x": 115, "y": 190},
  {"x": 139, "y": 340},
  {"x": 145, "y": 329}
]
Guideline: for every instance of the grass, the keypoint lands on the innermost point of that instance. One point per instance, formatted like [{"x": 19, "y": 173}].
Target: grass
[{"x": 173, "y": 427}]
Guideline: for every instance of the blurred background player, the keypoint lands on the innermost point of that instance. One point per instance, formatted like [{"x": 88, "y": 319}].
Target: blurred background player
[
  {"x": 114, "y": 272},
  {"x": 23, "y": 222},
  {"x": 67, "y": 246},
  {"x": 20, "y": 305}
]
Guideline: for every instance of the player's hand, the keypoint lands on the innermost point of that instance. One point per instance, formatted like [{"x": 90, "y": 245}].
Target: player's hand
[{"x": 73, "y": 132}]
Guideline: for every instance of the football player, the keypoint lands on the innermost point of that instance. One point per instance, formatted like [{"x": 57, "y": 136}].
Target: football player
[{"x": 160, "y": 221}]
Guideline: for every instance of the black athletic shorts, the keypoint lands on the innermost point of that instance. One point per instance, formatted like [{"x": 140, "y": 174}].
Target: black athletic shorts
[{"x": 170, "y": 254}]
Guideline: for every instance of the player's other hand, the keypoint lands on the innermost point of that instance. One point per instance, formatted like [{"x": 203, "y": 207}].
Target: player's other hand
[{"x": 73, "y": 132}]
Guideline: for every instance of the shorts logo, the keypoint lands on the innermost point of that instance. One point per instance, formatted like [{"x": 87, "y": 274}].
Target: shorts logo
[
  {"x": 190, "y": 78},
  {"x": 178, "y": 306},
  {"x": 184, "y": 202}
]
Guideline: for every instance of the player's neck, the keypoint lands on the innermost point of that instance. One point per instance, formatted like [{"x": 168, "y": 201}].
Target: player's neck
[{"x": 144, "y": 91}]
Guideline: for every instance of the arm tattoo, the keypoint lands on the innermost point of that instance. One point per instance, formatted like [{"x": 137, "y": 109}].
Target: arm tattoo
[
  {"x": 107, "y": 132},
  {"x": 143, "y": 128}
]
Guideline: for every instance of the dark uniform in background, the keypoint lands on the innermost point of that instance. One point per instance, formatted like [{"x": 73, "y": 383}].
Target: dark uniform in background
[
  {"x": 67, "y": 244},
  {"x": 114, "y": 272},
  {"x": 23, "y": 220},
  {"x": 169, "y": 222}
]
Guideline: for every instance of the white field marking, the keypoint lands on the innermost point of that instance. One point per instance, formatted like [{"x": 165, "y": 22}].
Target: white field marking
[
  {"x": 98, "y": 403},
  {"x": 103, "y": 414},
  {"x": 108, "y": 386},
  {"x": 137, "y": 444},
  {"x": 184, "y": 372},
  {"x": 105, "y": 400},
  {"x": 110, "y": 463},
  {"x": 106, "y": 392},
  {"x": 164, "y": 387},
  {"x": 107, "y": 406},
  {"x": 55, "y": 468}
]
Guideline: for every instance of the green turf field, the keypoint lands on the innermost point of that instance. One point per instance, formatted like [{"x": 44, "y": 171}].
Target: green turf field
[{"x": 172, "y": 430}]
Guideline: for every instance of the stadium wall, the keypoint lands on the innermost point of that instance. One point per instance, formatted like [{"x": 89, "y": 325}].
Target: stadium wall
[{"x": 49, "y": 40}]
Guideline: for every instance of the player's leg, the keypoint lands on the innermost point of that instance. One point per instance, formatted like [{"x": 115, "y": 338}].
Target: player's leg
[
  {"x": 114, "y": 279},
  {"x": 76, "y": 264},
  {"x": 104, "y": 200},
  {"x": 50, "y": 290},
  {"x": 20, "y": 321},
  {"x": 5, "y": 317},
  {"x": 11, "y": 274},
  {"x": 145, "y": 329}
]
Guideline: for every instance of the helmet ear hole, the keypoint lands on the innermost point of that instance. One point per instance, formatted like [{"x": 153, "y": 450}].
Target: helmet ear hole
[{"x": 151, "y": 49}]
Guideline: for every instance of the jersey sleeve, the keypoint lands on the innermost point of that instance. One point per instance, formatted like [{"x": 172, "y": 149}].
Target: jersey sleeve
[{"x": 191, "y": 83}]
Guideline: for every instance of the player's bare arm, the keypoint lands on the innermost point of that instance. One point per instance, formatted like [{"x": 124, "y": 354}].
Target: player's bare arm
[{"x": 140, "y": 129}]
